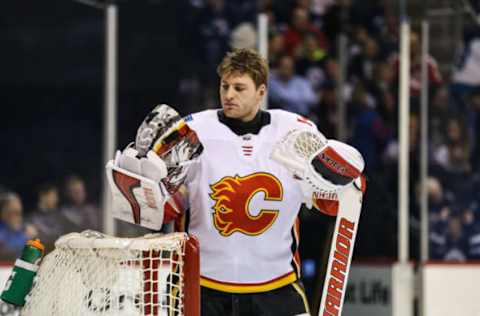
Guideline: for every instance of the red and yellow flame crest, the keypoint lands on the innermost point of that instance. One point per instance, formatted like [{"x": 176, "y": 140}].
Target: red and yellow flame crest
[{"x": 232, "y": 197}]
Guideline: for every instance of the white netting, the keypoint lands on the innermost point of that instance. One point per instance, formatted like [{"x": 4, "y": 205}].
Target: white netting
[
  {"x": 296, "y": 149},
  {"x": 91, "y": 274},
  {"x": 307, "y": 144}
]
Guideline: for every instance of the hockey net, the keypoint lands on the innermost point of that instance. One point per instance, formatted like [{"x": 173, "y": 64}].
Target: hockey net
[{"x": 94, "y": 274}]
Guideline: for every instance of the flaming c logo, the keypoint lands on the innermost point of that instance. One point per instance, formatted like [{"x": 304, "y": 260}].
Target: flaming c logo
[{"x": 232, "y": 196}]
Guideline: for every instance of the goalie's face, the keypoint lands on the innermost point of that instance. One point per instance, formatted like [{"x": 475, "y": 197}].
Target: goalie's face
[{"x": 240, "y": 97}]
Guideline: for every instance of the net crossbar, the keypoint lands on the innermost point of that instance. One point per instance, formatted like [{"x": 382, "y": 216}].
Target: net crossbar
[{"x": 94, "y": 274}]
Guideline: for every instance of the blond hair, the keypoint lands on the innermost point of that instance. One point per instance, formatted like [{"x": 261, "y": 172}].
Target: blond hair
[{"x": 245, "y": 61}]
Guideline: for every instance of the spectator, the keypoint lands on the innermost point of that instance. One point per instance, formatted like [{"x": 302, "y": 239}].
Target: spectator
[
  {"x": 466, "y": 75},
  {"x": 392, "y": 150},
  {"x": 329, "y": 87},
  {"x": 434, "y": 76},
  {"x": 438, "y": 200},
  {"x": 448, "y": 236},
  {"x": 46, "y": 217},
  {"x": 13, "y": 233},
  {"x": 439, "y": 115},
  {"x": 359, "y": 37},
  {"x": 310, "y": 61},
  {"x": 289, "y": 91},
  {"x": 439, "y": 214},
  {"x": 300, "y": 27},
  {"x": 455, "y": 248},
  {"x": 78, "y": 213},
  {"x": 276, "y": 48},
  {"x": 380, "y": 87},
  {"x": 455, "y": 140},
  {"x": 457, "y": 174},
  {"x": 369, "y": 131},
  {"x": 326, "y": 111},
  {"x": 332, "y": 75},
  {"x": 362, "y": 66},
  {"x": 438, "y": 227}
]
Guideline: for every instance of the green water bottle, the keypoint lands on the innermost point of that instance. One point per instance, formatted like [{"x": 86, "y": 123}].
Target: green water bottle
[{"x": 20, "y": 281}]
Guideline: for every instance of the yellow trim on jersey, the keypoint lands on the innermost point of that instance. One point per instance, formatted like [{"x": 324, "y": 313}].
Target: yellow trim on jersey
[
  {"x": 302, "y": 294},
  {"x": 249, "y": 288}
]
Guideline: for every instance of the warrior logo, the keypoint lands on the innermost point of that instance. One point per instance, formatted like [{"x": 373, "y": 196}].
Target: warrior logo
[{"x": 232, "y": 196}]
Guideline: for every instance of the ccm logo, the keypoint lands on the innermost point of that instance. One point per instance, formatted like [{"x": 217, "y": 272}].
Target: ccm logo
[{"x": 336, "y": 276}]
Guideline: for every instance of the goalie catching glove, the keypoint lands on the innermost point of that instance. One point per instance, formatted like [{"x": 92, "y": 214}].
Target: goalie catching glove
[
  {"x": 144, "y": 176},
  {"x": 323, "y": 167}
]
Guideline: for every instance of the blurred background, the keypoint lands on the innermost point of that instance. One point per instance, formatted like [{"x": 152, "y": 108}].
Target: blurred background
[{"x": 344, "y": 54}]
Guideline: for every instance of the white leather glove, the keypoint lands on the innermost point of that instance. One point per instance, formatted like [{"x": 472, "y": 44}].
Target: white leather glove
[{"x": 151, "y": 167}]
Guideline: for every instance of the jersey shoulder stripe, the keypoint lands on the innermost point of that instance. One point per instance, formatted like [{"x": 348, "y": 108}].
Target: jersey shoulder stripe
[{"x": 289, "y": 120}]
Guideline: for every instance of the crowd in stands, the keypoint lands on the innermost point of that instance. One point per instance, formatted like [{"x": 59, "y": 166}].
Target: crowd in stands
[
  {"x": 303, "y": 56},
  {"x": 51, "y": 218}
]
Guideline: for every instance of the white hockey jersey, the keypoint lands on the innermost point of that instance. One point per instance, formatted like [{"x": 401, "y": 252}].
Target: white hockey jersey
[{"x": 243, "y": 206}]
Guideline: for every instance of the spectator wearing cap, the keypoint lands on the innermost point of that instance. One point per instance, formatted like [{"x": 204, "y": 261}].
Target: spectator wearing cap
[{"x": 13, "y": 232}]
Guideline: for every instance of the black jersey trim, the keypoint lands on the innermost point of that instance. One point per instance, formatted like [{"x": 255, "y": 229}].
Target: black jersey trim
[{"x": 263, "y": 118}]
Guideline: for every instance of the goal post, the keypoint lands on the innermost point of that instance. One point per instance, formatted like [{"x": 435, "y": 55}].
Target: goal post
[{"x": 91, "y": 273}]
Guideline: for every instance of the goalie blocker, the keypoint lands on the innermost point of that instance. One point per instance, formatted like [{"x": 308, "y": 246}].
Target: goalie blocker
[{"x": 136, "y": 199}]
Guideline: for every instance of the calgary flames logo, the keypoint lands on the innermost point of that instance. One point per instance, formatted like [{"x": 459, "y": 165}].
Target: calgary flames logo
[{"x": 232, "y": 196}]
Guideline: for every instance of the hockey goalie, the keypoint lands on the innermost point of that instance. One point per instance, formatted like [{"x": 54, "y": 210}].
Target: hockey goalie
[{"x": 236, "y": 178}]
